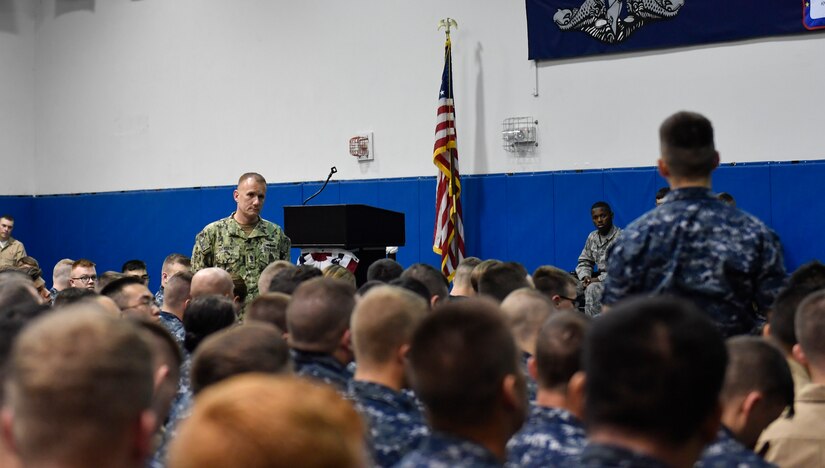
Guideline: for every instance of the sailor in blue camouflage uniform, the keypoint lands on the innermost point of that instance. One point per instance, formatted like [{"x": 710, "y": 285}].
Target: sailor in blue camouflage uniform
[
  {"x": 727, "y": 452},
  {"x": 323, "y": 367},
  {"x": 695, "y": 246},
  {"x": 612, "y": 456},
  {"x": 396, "y": 425},
  {"x": 444, "y": 450},
  {"x": 550, "y": 437}
]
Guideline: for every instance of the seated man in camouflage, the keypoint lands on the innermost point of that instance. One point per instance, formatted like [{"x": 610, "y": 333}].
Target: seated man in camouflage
[
  {"x": 242, "y": 243},
  {"x": 594, "y": 255},
  {"x": 382, "y": 325},
  {"x": 464, "y": 368},
  {"x": 758, "y": 387},
  {"x": 554, "y": 432},
  {"x": 317, "y": 319}
]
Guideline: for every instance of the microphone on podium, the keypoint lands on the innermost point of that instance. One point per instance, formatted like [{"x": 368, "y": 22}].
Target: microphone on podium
[{"x": 332, "y": 170}]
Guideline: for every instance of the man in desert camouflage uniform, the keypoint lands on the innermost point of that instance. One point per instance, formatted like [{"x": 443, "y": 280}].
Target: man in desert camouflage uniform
[{"x": 243, "y": 243}]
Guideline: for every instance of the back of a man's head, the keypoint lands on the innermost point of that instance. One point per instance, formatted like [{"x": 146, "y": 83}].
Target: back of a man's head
[
  {"x": 382, "y": 322},
  {"x": 475, "y": 275},
  {"x": 654, "y": 369},
  {"x": 459, "y": 360},
  {"x": 526, "y": 310},
  {"x": 782, "y": 316},
  {"x": 687, "y": 145},
  {"x": 206, "y": 315},
  {"x": 252, "y": 347},
  {"x": 175, "y": 259},
  {"x": 270, "y": 271},
  {"x": 810, "y": 330},
  {"x": 79, "y": 389},
  {"x": 433, "y": 279},
  {"x": 177, "y": 291},
  {"x": 17, "y": 292},
  {"x": 269, "y": 308},
  {"x": 461, "y": 280},
  {"x": 319, "y": 314},
  {"x": 288, "y": 279},
  {"x": 501, "y": 279},
  {"x": 384, "y": 270},
  {"x": 559, "y": 349},
  {"x": 260, "y": 421},
  {"x": 61, "y": 273},
  {"x": 212, "y": 281},
  {"x": 552, "y": 281},
  {"x": 166, "y": 363}
]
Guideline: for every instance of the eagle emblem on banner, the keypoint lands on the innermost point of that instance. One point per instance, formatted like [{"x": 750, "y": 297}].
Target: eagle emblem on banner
[{"x": 613, "y": 21}]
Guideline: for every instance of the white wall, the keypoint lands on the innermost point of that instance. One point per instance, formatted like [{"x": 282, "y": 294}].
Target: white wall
[
  {"x": 17, "y": 143},
  {"x": 151, "y": 94}
]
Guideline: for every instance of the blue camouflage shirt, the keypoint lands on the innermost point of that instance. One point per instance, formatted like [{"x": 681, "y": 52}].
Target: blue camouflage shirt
[
  {"x": 550, "y": 436},
  {"x": 174, "y": 325},
  {"x": 441, "y": 450},
  {"x": 610, "y": 456},
  {"x": 180, "y": 410},
  {"x": 159, "y": 297},
  {"x": 727, "y": 452},
  {"x": 395, "y": 424},
  {"x": 323, "y": 367},
  {"x": 697, "y": 247},
  {"x": 532, "y": 385}
]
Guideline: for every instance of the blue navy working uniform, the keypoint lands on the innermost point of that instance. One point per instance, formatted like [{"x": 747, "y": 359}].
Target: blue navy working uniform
[
  {"x": 441, "y": 450},
  {"x": 323, "y": 367},
  {"x": 727, "y": 452},
  {"x": 549, "y": 437}
]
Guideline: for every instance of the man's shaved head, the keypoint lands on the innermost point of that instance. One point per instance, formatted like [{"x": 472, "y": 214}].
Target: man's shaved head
[{"x": 212, "y": 282}]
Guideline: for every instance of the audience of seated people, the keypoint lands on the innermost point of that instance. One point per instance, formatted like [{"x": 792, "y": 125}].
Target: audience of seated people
[{"x": 512, "y": 377}]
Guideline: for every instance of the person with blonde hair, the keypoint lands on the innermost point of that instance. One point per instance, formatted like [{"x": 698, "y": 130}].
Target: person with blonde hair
[{"x": 338, "y": 272}]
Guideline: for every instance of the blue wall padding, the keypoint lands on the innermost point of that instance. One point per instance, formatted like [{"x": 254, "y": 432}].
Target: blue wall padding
[{"x": 539, "y": 218}]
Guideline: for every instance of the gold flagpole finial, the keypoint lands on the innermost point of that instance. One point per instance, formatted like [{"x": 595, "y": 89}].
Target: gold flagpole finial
[{"x": 447, "y": 24}]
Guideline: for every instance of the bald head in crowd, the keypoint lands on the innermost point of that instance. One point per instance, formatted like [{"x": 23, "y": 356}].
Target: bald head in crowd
[
  {"x": 318, "y": 314},
  {"x": 259, "y": 421},
  {"x": 526, "y": 310},
  {"x": 212, "y": 281},
  {"x": 79, "y": 392}
]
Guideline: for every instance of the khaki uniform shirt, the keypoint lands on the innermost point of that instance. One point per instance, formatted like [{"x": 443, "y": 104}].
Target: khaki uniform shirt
[
  {"x": 225, "y": 245},
  {"x": 799, "y": 441},
  {"x": 12, "y": 252}
]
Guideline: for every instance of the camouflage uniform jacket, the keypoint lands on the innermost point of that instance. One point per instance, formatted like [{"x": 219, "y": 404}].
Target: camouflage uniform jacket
[
  {"x": 395, "y": 424},
  {"x": 224, "y": 244},
  {"x": 323, "y": 367},
  {"x": 697, "y": 247},
  {"x": 611, "y": 456},
  {"x": 12, "y": 252},
  {"x": 441, "y": 451},
  {"x": 727, "y": 452},
  {"x": 159, "y": 297},
  {"x": 594, "y": 252},
  {"x": 550, "y": 436},
  {"x": 174, "y": 325},
  {"x": 181, "y": 409},
  {"x": 532, "y": 385}
]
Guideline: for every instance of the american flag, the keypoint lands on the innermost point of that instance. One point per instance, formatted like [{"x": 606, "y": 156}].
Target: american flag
[{"x": 448, "y": 238}]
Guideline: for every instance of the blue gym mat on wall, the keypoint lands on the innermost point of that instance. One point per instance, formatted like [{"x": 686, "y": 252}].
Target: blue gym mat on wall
[{"x": 532, "y": 218}]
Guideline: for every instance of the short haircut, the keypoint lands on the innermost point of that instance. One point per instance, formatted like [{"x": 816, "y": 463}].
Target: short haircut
[
  {"x": 114, "y": 290},
  {"x": 239, "y": 287},
  {"x": 133, "y": 265},
  {"x": 165, "y": 352},
  {"x": 269, "y": 272},
  {"x": 458, "y": 358},
  {"x": 782, "y": 316},
  {"x": 464, "y": 270},
  {"x": 78, "y": 383},
  {"x": 107, "y": 277},
  {"x": 205, "y": 315},
  {"x": 373, "y": 284},
  {"x": 70, "y": 296},
  {"x": 269, "y": 308},
  {"x": 261, "y": 421},
  {"x": 176, "y": 258},
  {"x": 501, "y": 279},
  {"x": 252, "y": 175},
  {"x": 756, "y": 365},
  {"x": 683, "y": 357},
  {"x": 84, "y": 263},
  {"x": 7, "y": 216},
  {"x": 809, "y": 274},
  {"x": 27, "y": 261},
  {"x": 286, "y": 280},
  {"x": 384, "y": 270},
  {"x": 412, "y": 285},
  {"x": 252, "y": 347},
  {"x": 14, "y": 315},
  {"x": 479, "y": 270},
  {"x": 62, "y": 270},
  {"x": 552, "y": 281},
  {"x": 526, "y": 310},
  {"x": 337, "y": 272},
  {"x": 177, "y": 288},
  {"x": 687, "y": 145},
  {"x": 17, "y": 294},
  {"x": 810, "y": 328},
  {"x": 433, "y": 279},
  {"x": 601, "y": 204},
  {"x": 383, "y": 321},
  {"x": 212, "y": 280},
  {"x": 662, "y": 192},
  {"x": 559, "y": 348},
  {"x": 319, "y": 314}
]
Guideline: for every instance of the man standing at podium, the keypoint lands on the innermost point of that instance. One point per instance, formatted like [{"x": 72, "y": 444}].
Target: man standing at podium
[{"x": 243, "y": 243}]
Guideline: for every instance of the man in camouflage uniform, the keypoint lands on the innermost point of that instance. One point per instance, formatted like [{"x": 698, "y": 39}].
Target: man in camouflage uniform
[
  {"x": 594, "y": 254},
  {"x": 382, "y": 325},
  {"x": 553, "y": 433},
  {"x": 694, "y": 246},
  {"x": 243, "y": 243}
]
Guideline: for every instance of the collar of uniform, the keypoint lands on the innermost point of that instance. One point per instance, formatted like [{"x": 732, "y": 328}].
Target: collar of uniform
[
  {"x": 375, "y": 391},
  {"x": 446, "y": 443},
  {"x": 170, "y": 316},
  {"x": 610, "y": 235},
  {"x": 548, "y": 413},
  {"x": 613, "y": 455},
  {"x": 811, "y": 393},
  {"x": 236, "y": 230},
  {"x": 307, "y": 357},
  {"x": 689, "y": 193}
]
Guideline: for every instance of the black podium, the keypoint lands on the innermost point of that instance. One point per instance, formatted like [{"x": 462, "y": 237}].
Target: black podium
[{"x": 364, "y": 230}]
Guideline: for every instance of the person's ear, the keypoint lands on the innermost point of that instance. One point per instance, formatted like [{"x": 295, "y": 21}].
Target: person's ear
[
  {"x": 533, "y": 368},
  {"x": 799, "y": 355},
  {"x": 513, "y": 392},
  {"x": 715, "y": 159},
  {"x": 556, "y": 300},
  {"x": 403, "y": 351},
  {"x": 144, "y": 431},
  {"x": 766, "y": 330},
  {"x": 7, "y": 423},
  {"x": 186, "y": 303},
  {"x": 346, "y": 340},
  {"x": 433, "y": 302},
  {"x": 751, "y": 401},
  {"x": 160, "y": 376},
  {"x": 235, "y": 195},
  {"x": 576, "y": 394}
]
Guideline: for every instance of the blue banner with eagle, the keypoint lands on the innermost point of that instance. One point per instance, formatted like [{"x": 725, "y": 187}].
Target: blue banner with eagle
[{"x": 571, "y": 28}]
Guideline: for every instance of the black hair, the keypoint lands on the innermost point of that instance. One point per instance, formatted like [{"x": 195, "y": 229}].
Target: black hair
[
  {"x": 412, "y": 284},
  {"x": 70, "y": 296},
  {"x": 687, "y": 144},
  {"x": 384, "y": 270},
  {"x": 288, "y": 279},
  {"x": 205, "y": 315},
  {"x": 601, "y": 204},
  {"x": 662, "y": 192},
  {"x": 133, "y": 265},
  {"x": 559, "y": 348},
  {"x": 432, "y": 278}
]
